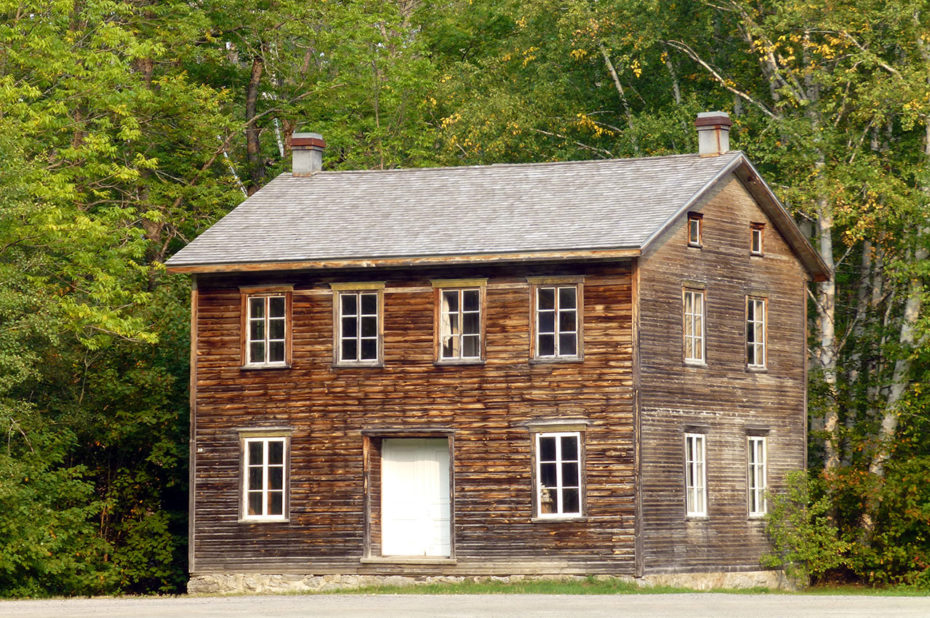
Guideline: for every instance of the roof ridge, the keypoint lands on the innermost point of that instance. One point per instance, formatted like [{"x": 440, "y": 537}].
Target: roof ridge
[{"x": 446, "y": 168}]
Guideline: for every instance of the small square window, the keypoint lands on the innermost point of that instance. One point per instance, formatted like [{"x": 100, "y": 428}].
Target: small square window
[
  {"x": 558, "y": 475},
  {"x": 757, "y": 476},
  {"x": 695, "y": 476},
  {"x": 756, "y": 238},
  {"x": 695, "y": 233},
  {"x": 266, "y": 330},
  {"x": 264, "y": 482}
]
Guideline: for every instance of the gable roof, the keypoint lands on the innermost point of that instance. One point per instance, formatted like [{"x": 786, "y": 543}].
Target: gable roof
[{"x": 606, "y": 208}]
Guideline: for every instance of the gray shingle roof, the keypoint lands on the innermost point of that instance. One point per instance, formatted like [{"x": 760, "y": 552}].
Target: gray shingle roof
[{"x": 455, "y": 211}]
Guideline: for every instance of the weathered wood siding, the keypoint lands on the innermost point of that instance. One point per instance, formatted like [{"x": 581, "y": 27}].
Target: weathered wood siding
[
  {"x": 724, "y": 398},
  {"x": 332, "y": 412}
]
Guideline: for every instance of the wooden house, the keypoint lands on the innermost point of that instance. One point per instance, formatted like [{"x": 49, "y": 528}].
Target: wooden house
[{"x": 592, "y": 367}]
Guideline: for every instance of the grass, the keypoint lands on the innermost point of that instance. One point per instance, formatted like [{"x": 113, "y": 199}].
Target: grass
[{"x": 595, "y": 586}]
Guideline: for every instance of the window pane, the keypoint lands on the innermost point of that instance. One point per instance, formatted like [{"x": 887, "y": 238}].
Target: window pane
[
  {"x": 546, "y": 345},
  {"x": 369, "y": 349},
  {"x": 567, "y": 298},
  {"x": 256, "y": 329},
  {"x": 570, "y": 502},
  {"x": 276, "y": 503},
  {"x": 471, "y": 323},
  {"x": 369, "y": 326},
  {"x": 255, "y": 453},
  {"x": 276, "y": 478},
  {"x": 349, "y": 349},
  {"x": 448, "y": 351},
  {"x": 451, "y": 300},
  {"x": 569, "y": 448},
  {"x": 567, "y": 345},
  {"x": 547, "y": 449},
  {"x": 545, "y": 298},
  {"x": 276, "y": 307},
  {"x": 570, "y": 475},
  {"x": 750, "y": 310},
  {"x": 276, "y": 329},
  {"x": 349, "y": 326},
  {"x": 276, "y": 352},
  {"x": 547, "y": 322},
  {"x": 257, "y": 352},
  {"x": 471, "y": 300},
  {"x": 276, "y": 452},
  {"x": 452, "y": 324},
  {"x": 255, "y": 478},
  {"x": 566, "y": 321},
  {"x": 349, "y": 304},
  {"x": 547, "y": 501},
  {"x": 547, "y": 475},
  {"x": 255, "y": 503},
  {"x": 256, "y": 307},
  {"x": 369, "y": 304},
  {"x": 470, "y": 346}
]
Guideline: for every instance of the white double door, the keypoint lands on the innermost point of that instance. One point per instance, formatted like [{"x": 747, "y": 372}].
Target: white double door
[{"x": 415, "y": 497}]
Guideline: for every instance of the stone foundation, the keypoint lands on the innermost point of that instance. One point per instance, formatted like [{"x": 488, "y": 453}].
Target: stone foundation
[{"x": 262, "y": 583}]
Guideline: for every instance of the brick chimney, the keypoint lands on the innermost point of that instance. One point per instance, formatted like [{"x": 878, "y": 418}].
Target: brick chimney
[
  {"x": 307, "y": 153},
  {"x": 713, "y": 133}
]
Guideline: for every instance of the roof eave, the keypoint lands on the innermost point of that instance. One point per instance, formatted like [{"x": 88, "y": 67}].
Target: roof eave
[{"x": 617, "y": 253}]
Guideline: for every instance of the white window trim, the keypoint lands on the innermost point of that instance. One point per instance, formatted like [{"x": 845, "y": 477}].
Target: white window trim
[
  {"x": 337, "y": 302},
  {"x": 689, "y": 319},
  {"x": 445, "y": 327},
  {"x": 560, "y": 486},
  {"x": 696, "y": 494},
  {"x": 759, "y": 347},
  {"x": 757, "y": 471},
  {"x": 265, "y": 466},
  {"x": 757, "y": 229},
  {"x": 249, "y": 362},
  {"x": 556, "y": 322},
  {"x": 696, "y": 220}
]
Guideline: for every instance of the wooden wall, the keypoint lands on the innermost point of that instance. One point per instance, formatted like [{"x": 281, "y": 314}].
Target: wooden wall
[
  {"x": 723, "y": 397},
  {"x": 485, "y": 405}
]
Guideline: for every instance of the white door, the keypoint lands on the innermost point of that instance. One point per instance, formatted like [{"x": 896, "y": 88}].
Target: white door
[{"x": 415, "y": 497}]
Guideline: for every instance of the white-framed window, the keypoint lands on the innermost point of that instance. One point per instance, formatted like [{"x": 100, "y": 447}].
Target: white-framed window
[
  {"x": 558, "y": 474},
  {"x": 695, "y": 231},
  {"x": 756, "y": 238},
  {"x": 757, "y": 476},
  {"x": 266, "y": 330},
  {"x": 695, "y": 475},
  {"x": 460, "y": 324},
  {"x": 264, "y": 467},
  {"x": 556, "y": 317},
  {"x": 358, "y": 326},
  {"x": 694, "y": 326},
  {"x": 755, "y": 332}
]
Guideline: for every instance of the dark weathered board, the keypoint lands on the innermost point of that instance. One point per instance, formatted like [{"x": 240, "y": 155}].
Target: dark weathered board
[
  {"x": 338, "y": 415},
  {"x": 723, "y": 398}
]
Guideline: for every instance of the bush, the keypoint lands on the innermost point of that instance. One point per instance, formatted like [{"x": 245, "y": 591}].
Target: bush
[{"x": 804, "y": 541}]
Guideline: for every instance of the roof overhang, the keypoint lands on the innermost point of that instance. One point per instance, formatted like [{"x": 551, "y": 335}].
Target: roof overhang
[{"x": 406, "y": 261}]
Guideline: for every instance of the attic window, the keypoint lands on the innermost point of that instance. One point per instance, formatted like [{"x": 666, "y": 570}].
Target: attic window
[
  {"x": 756, "y": 231},
  {"x": 695, "y": 233}
]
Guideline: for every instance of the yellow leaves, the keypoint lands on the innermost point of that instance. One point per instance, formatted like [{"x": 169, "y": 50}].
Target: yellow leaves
[
  {"x": 636, "y": 67},
  {"x": 521, "y": 23},
  {"x": 578, "y": 54},
  {"x": 528, "y": 55},
  {"x": 585, "y": 123},
  {"x": 448, "y": 121}
]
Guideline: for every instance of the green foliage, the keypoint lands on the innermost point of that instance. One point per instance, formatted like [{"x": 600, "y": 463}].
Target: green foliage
[{"x": 804, "y": 541}]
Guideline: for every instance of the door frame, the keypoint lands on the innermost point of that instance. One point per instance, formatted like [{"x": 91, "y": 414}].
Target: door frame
[{"x": 371, "y": 453}]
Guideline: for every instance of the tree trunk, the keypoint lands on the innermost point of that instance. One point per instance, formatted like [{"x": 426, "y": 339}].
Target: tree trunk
[{"x": 252, "y": 145}]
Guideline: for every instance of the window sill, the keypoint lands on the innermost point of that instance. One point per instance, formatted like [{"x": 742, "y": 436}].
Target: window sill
[
  {"x": 345, "y": 365},
  {"x": 264, "y": 520},
  {"x": 757, "y": 518},
  {"x": 408, "y": 560},
  {"x": 695, "y": 363},
  {"x": 555, "y": 519},
  {"x": 697, "y": 518},
  {"x": 694, "y": 246},
  {"x": 264, "y": 367},
  {"x": 547, "y": 360},
  {"x": 756, "y": 369},
  {"x": 459, "y": 361}
]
